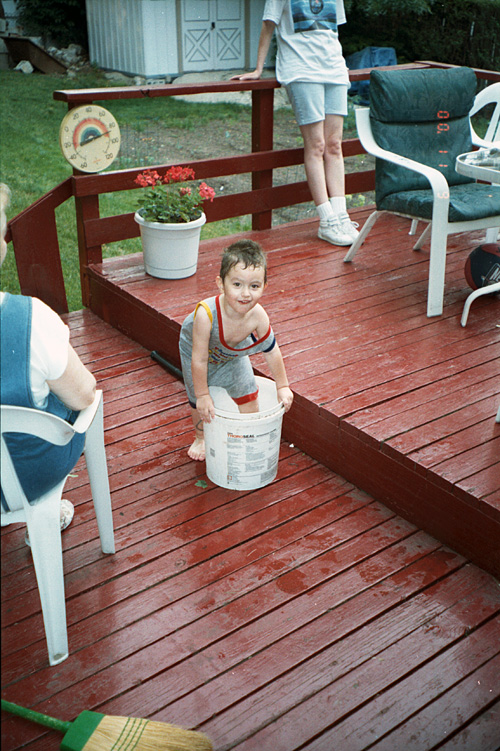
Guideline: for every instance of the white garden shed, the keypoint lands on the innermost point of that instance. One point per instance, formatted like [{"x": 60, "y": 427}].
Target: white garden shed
[{"x": 163, "y": 38}]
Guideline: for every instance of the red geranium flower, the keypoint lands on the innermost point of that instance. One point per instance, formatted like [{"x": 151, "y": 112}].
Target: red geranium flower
[
  {"x": 178, "y": 174},
  {"x": 206, "y": 192},
  {"x": 166, "y": 202},
  {"x": 148, "y": 177}
]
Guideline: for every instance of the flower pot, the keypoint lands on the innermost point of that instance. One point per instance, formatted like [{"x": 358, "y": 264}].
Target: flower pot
[{"x": 170, "y": 250}]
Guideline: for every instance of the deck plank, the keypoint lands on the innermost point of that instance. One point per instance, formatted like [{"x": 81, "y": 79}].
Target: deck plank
[
  {"x": 452, "y": 710},
  {"x": 481, "y": 733},
  {"x": 319, "y": 700},
  {"x": 436, "y": 688}
]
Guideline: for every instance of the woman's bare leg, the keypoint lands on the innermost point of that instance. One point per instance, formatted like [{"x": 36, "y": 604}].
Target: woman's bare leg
[
  {"x": 334, "y": 158},
  {"x": 314, "y": 152}
]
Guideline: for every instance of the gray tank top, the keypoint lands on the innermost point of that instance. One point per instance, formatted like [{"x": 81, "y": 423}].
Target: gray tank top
[{"x": 219, "y": 351}]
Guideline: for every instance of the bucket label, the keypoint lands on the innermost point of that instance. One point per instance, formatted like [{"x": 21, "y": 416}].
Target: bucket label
[
  {"x": 268, "y": 476},
  {"x": 242, "y": 451},
  {"x": 252, "y": 455}
]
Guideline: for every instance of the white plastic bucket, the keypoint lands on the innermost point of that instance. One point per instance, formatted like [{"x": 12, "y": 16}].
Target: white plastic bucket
[{"x": 242, "y": 450}]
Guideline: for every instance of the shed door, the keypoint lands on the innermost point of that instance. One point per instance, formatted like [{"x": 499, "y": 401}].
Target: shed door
[{"x": 212, "y": 34}]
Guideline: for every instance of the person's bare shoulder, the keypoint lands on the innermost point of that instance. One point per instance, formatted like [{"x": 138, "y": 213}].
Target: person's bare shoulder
[{"x": 261, "y": 320}]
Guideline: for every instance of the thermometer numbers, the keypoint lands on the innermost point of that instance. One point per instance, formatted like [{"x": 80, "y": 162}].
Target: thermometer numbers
[{"x": 89, "y": 138}]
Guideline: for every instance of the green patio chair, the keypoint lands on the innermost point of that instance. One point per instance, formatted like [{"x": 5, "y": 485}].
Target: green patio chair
[{"x": 417, "y": 124}]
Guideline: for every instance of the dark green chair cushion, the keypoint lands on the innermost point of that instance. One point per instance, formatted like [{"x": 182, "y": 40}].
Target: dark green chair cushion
[
  {"x": 417, "y": 96},
  {"x": 467, "y": 202},
  {"x": 421, "y": 143},
  {"x": 423, "y": 115}
]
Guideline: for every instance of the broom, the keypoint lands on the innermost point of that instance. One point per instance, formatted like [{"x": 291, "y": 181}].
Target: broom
[{"x": 92, "y": 731}]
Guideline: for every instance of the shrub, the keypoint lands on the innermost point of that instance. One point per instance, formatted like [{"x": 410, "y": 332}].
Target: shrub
[
  {"x": 60, "y": 22},
  {"x": 459, "y": 32}
]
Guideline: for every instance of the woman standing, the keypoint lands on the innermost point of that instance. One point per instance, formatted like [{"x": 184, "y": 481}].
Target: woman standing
[{"x": 311, "y": 66}]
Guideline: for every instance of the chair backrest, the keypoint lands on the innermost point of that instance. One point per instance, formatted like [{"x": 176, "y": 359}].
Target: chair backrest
[
  {"x": 423, "y": 115},
  {"x": 489, "y": 95},
  {"x": 33, "y": 423},
  {"x": 37, "y": 423}
]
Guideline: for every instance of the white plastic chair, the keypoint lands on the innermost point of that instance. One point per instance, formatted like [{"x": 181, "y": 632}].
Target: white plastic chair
[
  {"x": 439, "y": 227},
  {"x": 489, "y": 290},
  {"x": 42, "y": 517},
  {"x": 489, "y": 95}
]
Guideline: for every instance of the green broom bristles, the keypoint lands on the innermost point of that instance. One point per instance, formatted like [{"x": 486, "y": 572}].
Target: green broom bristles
[
  {"x": 129, "y": 733},
  {"x": 92, "y": 731}
]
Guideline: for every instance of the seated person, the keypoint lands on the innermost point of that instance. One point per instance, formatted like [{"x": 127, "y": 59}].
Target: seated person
[{"x": 40, "y": 369}]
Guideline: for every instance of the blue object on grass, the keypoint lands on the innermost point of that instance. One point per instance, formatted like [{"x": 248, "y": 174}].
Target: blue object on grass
[{"x": 369, "y": 57}]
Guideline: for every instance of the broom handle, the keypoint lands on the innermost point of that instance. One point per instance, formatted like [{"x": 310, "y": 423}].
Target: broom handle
[{"x": 41, "y": 719}]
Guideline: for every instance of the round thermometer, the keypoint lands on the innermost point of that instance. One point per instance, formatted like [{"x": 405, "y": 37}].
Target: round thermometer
[{"x": 89, "y": 137}]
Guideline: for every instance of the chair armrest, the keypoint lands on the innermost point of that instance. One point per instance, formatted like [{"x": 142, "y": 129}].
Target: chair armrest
[
  {"x": 437, "y": 180},
  {"x": 489, "y": 95},
  {"x": 480, "y": 142},
  {"x": 84, "y": 419}
]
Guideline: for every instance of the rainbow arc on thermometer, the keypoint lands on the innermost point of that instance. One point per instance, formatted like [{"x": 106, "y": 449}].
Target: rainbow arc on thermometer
[
  {"x": 89, "y": 138},
  {"x": 89, "y": 130}
]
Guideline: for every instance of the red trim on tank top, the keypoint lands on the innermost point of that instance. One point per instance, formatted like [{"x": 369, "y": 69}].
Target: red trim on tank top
[{"x": 221, "y": 331}]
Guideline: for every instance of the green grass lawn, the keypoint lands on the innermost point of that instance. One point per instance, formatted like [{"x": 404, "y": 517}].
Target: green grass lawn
[{"x": 32, "y": 163}]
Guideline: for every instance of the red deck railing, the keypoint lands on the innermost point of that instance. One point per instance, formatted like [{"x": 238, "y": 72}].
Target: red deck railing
[{"x": 38, "y": 264}]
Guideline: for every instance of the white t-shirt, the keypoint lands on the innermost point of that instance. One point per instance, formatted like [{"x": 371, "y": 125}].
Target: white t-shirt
[
  {"x": 49, "y": 349},
  {"x": 308, "y": 45}
]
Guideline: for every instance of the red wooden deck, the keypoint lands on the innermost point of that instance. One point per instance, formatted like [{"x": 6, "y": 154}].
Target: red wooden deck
[
  {"x": 401, "y": 405},
  {"x": 307, "y": 614}
]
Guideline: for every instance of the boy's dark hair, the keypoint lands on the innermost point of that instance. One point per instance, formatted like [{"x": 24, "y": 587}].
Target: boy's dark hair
[{"x": 246, "y": 252}]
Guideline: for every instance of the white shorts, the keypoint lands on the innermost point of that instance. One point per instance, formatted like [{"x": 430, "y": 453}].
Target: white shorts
[{"x": 311, "y": 102}]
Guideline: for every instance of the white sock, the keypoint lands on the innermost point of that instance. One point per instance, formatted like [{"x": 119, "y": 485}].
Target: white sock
[
  {"x": 338, "y": 205},
  {"x": 325, "y": 211}
]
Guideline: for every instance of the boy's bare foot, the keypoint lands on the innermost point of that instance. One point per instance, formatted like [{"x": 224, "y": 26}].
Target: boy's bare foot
[{"x": 197, "y": 450}]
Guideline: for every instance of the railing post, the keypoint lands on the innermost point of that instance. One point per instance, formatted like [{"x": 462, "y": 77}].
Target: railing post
[
  {"x": 262, "y": 140},
  {"x": 36, "y": 249},
  {"x": 86, "y": 208}
]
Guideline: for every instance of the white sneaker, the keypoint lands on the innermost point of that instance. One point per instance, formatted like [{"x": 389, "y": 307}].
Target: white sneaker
[
  {"x": 348, "y": 227},
  {"x": 332, "y": 231},
  {"x": 66, "y": 517}
]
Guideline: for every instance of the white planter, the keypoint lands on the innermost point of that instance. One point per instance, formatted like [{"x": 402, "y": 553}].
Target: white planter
[{"x": 170, "y": 250}]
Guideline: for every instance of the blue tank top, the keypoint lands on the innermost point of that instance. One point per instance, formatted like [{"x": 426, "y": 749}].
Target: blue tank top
[{"x": 39, "y": 464}]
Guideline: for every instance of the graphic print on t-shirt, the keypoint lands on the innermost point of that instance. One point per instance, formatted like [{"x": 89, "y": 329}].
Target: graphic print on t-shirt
[{"x": 309, "y": 15}]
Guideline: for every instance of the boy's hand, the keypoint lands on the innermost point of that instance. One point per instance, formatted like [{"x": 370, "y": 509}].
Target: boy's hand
[
  {"x": 285, "y": 395},
  {"x": 205, "y": 407}
]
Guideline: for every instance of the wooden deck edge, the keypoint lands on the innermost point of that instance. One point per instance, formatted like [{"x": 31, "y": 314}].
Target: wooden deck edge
[
  {"x": 136, "y": 320},
  {"x": 450, "y": 514}
]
